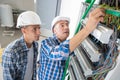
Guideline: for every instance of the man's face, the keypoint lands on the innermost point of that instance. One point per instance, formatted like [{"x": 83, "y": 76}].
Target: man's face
[
  {"x": 31, "y": 32},
  {"x": 61, "y": 29}
]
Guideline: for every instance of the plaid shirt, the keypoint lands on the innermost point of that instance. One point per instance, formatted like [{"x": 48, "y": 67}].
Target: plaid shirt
[
  {"x": 14, "y": 60},
  {"x": 53, "y": 55}
]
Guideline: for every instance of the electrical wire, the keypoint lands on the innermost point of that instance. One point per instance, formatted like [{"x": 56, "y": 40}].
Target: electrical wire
[{"x": 109, "y": 62}]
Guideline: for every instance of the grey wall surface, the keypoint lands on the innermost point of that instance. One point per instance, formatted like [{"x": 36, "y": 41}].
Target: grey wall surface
[
  {"x": 20, "y": 4},
  {"x": 47, "y": 10}
]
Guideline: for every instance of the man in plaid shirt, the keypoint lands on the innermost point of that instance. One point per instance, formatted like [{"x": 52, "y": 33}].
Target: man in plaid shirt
[
  {"x": 55, "y": 50},
  {"x": 19, "y": 57}
]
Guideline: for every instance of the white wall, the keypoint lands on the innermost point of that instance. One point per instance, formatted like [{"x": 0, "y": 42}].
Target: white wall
[
  {"x": 20, "y": 4},
  {"x": 72, "y": 9}
]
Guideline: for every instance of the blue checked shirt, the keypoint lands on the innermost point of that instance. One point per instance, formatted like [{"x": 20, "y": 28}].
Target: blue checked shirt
[
  {"x": 14, "y": 60},
  {"x": 53, "y": 55}
]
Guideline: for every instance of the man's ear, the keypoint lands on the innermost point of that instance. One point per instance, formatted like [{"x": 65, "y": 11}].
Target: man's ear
[
  {"x": 54, "y": 30},
  {"x": 22, "y": 30}
]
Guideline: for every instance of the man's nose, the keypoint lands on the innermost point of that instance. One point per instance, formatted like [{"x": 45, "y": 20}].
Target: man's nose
[{"x": 38, "y": 31}]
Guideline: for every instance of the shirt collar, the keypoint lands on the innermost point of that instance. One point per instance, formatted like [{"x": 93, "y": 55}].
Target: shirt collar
[
  {"x": 56, "y": 39},
  {"x": 23, "y": 44}
]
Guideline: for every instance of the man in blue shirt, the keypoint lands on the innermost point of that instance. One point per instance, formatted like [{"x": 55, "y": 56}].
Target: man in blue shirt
[
  {"x": 19, "y": 57},
  {"x": 55, "y": 50}
]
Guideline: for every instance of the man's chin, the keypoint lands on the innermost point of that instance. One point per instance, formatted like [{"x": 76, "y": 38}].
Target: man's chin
[
  {"x": 36, "y": 39},
  {"x": 67, "y": 35}
]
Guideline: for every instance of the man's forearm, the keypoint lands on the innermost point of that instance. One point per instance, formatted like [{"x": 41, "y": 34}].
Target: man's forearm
[{"x": 78, "y": 38}]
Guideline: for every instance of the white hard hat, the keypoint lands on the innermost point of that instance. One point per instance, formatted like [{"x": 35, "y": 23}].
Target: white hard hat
[
  {"x": 28, "y": 18},
  {"x": 57, "y": 19}
]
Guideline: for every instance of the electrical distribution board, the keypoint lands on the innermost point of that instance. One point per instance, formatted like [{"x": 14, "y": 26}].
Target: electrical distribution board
[{"x": 97, "y": 57}]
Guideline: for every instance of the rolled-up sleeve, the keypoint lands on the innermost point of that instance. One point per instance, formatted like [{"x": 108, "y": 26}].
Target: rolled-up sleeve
[{"x": 57, "y": 52}]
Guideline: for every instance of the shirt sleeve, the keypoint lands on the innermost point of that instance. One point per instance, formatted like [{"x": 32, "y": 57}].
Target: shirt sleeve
[
  {"x": 8, "y": 66},
  {"x": 58, "y": 52}
]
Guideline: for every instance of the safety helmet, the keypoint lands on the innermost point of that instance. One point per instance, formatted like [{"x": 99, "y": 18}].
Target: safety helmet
[
  {"x": 28, "y": 18},
  {"x": 57, "y": 19}
]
